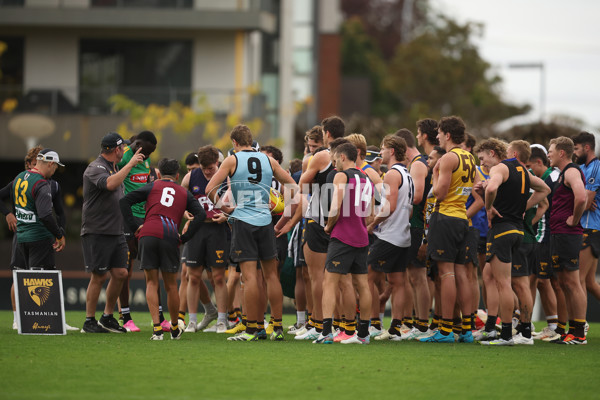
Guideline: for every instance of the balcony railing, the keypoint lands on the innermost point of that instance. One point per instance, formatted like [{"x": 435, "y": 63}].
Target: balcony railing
[{"x": 95, "y": 101}]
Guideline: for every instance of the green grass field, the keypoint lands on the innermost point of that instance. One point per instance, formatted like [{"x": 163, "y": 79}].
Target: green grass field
[{"x": 206, "y": 366}]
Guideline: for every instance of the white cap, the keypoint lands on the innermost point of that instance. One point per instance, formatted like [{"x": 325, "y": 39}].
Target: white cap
[
  {"x": 539, "y": 146},
  {"x": 49, "y": 156}
]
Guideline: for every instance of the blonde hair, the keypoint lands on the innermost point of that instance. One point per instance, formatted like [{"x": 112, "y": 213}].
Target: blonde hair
[
  {"x": 564, "y": 143},
  {"x": 360, "y": 142},
  {"x": 522, "y": 148}
]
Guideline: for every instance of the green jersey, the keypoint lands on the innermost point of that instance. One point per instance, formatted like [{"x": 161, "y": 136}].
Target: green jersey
[
  {"x": 137, "y": 178},
  {"x": 28, "y": 196}
]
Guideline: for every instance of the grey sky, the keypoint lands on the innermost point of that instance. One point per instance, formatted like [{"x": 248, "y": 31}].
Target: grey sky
[{"x": 561, "y": 34}]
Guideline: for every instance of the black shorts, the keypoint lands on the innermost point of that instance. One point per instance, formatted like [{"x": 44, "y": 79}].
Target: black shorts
[
  {"x": 565, "y": 251},
  {"x": 38, "y": 254},
  {"x": 472, "y": 245},
  {"x": 503, "y": 241},
  {"x": 252, "y": 243},
  {"x": 299, "y": 260},
  {"x": 543, "y": 265},
  {"x": 591, "y": 239},
  {"x": 208, "y": 248},
  {"x": 447, "y": 238},
  {"x": 385, "y": 257},
  {"x": 482, "y": 245},
  {"x": 416, "y": 239},
  {"x": 315, "y": 237},
  {"x": 345, "y": 259},
  {"x": 281, "y": 243},
  {"x": 132, "y": 242},
  {"x": 158, "y": 253},
  {"x": 103, "y": 252},
  {"x": 527, "y": 259},
  {"x": 17, "y": 261}
]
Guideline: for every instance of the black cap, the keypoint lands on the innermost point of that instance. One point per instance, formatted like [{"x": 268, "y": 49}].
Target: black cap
[
  {"x": 372, "y": 155},
  {"x": 113, "y": 140}
]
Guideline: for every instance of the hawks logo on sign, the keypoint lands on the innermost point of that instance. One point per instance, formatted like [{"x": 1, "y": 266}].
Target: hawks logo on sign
[
  {"x": 38, "y": 289},
  {"x": 220, "y": 253}
]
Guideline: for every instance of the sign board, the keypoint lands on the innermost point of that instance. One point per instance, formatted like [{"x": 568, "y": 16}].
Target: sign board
[{"x": 40, "y": 303}]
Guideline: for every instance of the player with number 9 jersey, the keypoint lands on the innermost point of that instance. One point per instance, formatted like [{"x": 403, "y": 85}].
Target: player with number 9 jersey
[{"x": 251, "y": 188}]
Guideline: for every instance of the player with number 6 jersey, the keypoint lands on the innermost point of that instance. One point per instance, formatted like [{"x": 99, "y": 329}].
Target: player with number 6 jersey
[{"x": 166, "y": 202}]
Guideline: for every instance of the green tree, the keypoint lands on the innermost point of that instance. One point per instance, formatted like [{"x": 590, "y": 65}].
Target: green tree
[{"x": 441, "y": 72}]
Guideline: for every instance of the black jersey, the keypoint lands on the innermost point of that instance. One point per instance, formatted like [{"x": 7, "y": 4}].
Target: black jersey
[
  {"x": 512, "y": 196},
  {"x": 317, "y": 210}
]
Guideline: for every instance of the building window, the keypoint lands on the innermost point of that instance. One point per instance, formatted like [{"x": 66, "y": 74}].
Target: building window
[
  {"x": 11, "y": 66},
  {"x": 145, "y": 71},
  {"x": 12, "y": 3}
]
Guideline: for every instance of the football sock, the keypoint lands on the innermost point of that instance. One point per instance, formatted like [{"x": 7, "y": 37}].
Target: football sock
[
  {"x": 490, "y": 324},
  {"x": 301, "y": 317},
  {"x": 457, "y": 325},
  {"x": 363, "y": 328},
  {"x": 560, "y": 328},
  {"x": 157, "y": 329},
  {"x": 526, "y": 329},
  {"x": 90, "y": 319},
  {"x": 244, "y": 320},
  {"x": 422, "y": 325},
  {"x": 161, "y": 317},
  {"x": 327, "y": 323},
  {"x": 319, "y": 326},
  {"x": 277, "y": 324},
  {"x": 395, "y": 327},
  {"x": 579, "y": 328},
  {"x": 552, "y": 321},
  {"x": 337, "y": 323},
  {"x": 435, "y": 322},
  {"x": 251, "y": 327},
  {"x": 381, "y": 315},
  {"x": 408, "y": 322},
  {"x": 238, "y": 311},
  {"x": 126, "y": 314},
  {"x": 376, "y": 323},
  {"x": 473, "y": 327},
  {"x": 506, "y": 333},
  {"x": 466, "y": 324},
  {"x": 181, "y": 315},
  {"x": 571, "y": 327},
  {"x": 222, "y": 317},
  {"x": 193, "y": 318},
  {"x": 446, "y": 328},
  {"x": 350, "y": 327}
]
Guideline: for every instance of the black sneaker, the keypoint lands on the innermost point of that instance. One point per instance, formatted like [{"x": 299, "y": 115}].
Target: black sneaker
[
  {"x": 92, "y": 326},
  {"x": 176, "y": 334},
  {"x": 111, "y": 324}
]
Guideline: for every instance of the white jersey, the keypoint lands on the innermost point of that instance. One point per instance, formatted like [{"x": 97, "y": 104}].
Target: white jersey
[{"x": 396, "y": 228}]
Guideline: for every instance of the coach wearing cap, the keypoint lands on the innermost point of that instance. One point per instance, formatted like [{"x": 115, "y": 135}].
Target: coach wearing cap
[
  {"x": 102, "y": 237},
  {"x": 38, "y": 233}
]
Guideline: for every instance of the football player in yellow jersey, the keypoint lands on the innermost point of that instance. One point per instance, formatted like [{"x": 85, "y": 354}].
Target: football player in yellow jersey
[{"x": 453, "y": 178}]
